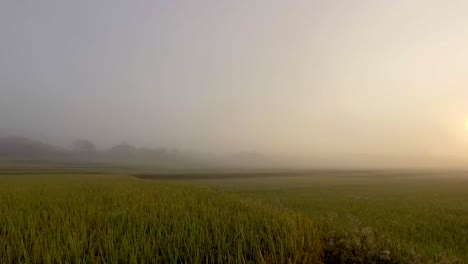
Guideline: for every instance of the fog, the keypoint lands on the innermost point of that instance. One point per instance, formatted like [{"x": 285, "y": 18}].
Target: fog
[{"x": 369, "y": 83}]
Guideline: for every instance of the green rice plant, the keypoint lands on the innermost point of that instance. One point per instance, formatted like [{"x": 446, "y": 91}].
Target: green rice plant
[
  {"x": 112, "y": 219},
  {"x": 418, "y": 216}
]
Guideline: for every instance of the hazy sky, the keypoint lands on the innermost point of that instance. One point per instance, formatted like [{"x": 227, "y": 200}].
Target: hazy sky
[{"x": 283, "y": 77}]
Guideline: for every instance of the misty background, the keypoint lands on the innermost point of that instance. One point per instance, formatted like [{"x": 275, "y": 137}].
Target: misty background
[{"x": 308, "y": 83}]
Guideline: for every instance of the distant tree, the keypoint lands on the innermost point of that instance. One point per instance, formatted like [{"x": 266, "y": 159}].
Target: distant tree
[
  {"x": 24, "y": 148},
  {"x": 123, "y": 150},
  {"x": 83, "y": 146}
]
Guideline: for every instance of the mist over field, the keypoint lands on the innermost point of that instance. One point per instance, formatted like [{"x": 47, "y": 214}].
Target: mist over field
[
  {"x": 230, "y": 131},
  {"x": 291, "y": 83}
]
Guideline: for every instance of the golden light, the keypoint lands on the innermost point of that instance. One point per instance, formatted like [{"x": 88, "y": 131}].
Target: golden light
[{"x": 466, "y": 123}]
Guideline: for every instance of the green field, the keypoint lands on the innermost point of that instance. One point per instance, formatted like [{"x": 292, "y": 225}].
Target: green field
[
  {"x": 406, "y": 211},
  {"x": 89, "y": 214}
]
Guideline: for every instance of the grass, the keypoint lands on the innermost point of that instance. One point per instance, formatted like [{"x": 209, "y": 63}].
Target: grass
[
  {"x": 409, "y": 213},
  {"x": 119, "y": 219},
  {"x": 64, "y": 214}
]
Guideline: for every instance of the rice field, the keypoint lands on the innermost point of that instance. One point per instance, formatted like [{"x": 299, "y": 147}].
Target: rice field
[
  {"x": 418, "y": 214},
  {"x": 119, "y": 219},
  {"x": 79, "y": 214}
]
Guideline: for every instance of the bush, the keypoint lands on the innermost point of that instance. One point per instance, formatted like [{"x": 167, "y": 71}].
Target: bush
[{"x": 363, "y": 246}]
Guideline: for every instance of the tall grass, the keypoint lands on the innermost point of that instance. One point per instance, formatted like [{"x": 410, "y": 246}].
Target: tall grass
[
  {"x": 418, "y": 217},
  {"x": 388, "y": 218},
  {"x": 104, "y": 219}
]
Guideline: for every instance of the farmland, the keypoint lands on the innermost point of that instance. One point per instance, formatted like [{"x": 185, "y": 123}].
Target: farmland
[
  {"x": 112, "y": 219},
  {"x": 97, "y": 214},
  {"x": 408, "y": 211}
]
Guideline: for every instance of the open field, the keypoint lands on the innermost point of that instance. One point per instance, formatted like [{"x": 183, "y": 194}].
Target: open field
[
  {"x": 425, "y": 212},
  {"x": 89, "y": 214},
  {"x": 119, "y": 219}
]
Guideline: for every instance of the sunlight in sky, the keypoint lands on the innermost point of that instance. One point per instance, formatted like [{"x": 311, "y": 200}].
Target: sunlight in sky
[{"x": 298, "y": 78}]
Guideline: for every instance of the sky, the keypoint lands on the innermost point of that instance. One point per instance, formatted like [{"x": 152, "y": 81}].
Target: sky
[{"x": 298, "y": 78}]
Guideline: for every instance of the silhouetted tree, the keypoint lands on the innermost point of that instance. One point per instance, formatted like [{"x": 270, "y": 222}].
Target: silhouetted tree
[{"x": 83, "y": 146}]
